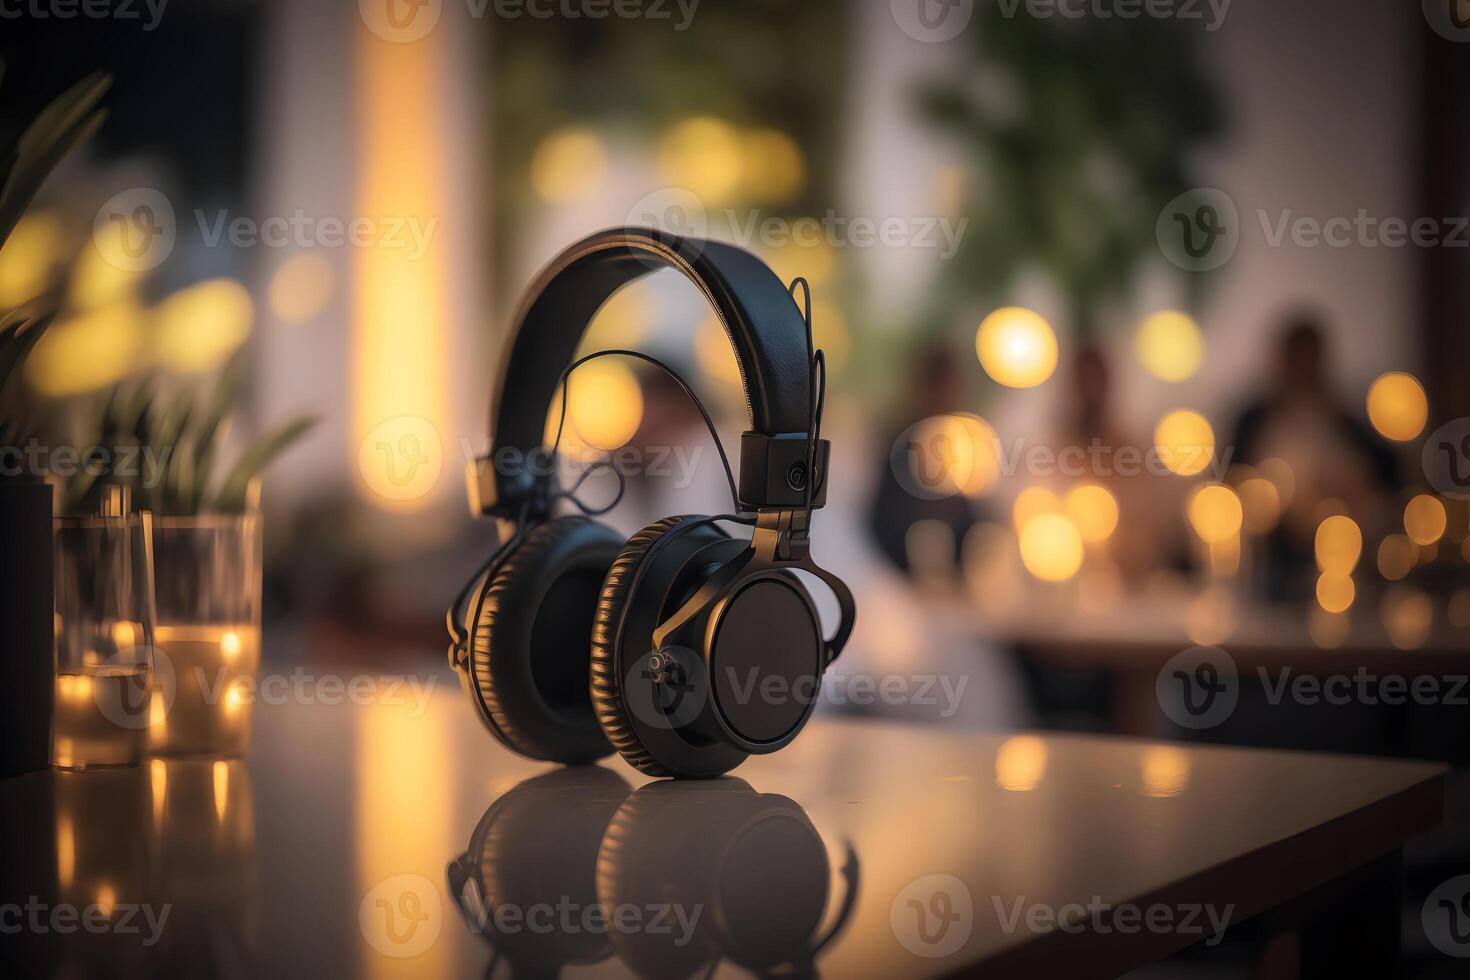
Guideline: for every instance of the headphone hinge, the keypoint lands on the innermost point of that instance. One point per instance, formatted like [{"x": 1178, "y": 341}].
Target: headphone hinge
[{"x": 782, "y": 535}]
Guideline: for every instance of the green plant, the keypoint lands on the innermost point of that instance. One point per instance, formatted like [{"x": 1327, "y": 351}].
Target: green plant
[
  {"x": 1079, "y": 132},
  {"x": 24, "y": 166},
  {"x": 164, "y": 448}
]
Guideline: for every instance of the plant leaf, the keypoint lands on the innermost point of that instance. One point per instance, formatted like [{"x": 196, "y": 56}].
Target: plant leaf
[{"x": 231, "y": 496}]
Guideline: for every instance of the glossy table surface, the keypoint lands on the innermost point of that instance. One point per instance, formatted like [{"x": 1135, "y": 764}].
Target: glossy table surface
[{"x": 354, "y": 838}]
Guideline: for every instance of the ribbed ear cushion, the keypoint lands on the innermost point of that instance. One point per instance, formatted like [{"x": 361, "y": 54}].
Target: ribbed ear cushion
[
  {"x": 528, "y": 654},
  {"x": 606, "y": 701}
]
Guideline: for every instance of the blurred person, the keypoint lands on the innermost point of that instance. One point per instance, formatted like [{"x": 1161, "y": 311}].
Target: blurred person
[
  {"x": 934, "y": 386},
  {"x": 1149, "y": 506},
  {"x": 1332, "y": 453}
]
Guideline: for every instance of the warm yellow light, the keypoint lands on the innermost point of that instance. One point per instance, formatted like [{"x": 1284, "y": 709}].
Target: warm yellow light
[
  {"x": 1185, "y": 442},
  {"x": 66, "y": 845},
  {"x": 1170, "y": 346},
  {"x": 200, "y": 326},
  {"x": 1051, "y": 547},
  {"x": 774, "y": 170},
  {"x": 1408, "y": 616},
  {"x": 1211, "y": 616},
  {"x": 301, "y": 288},
  {"x": 158, "y": 783},
  {"x": 713, "y": 354},
  {"x": 567, "y": 165},
  {"x": 1165, "y": 771},
  {"x": 106, "y": 898},
  {"x": 1397, "y": 406},
  {"x": 1338, "y": 544},
  {"x": 1016, "y": 347},
  {"x": 29, "y": 258},
  {"x": 88, "y": 352},
  {"x": 221, "y": 771},
  {"x": 1261, "y": 504},
  {"x": 813, "y": 259},
  {"x": 959, "y": 455},
  {"x": 400, "y": 308},
  {"x": 1395, "y": 557},
  {"x": 625, "y": 319},
  {"x": 606, "y": 404},
  {"x": 1094, "y": 510},
  {"x": 1215, "y": 513},
  {"x": 102, "y": 279},
  {"x": 1020, "y": 763},
  {"x": 1033, "y": 502},
  {"x": 702, "y": 154},
  {"x": 830, "y": 335},
  {"x": 1424, "y": 519},
  {"x": 1335, "y": 591},
  {"x": 229, "y": 645}
]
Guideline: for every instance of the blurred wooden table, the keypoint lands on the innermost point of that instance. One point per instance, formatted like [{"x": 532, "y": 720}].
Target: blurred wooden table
[{"x": 354, "y": 838}]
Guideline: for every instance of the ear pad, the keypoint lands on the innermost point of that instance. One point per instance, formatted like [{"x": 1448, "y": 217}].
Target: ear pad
[
  {"x": 652, "y": 567},
  {"x": 528, "y": 651}
]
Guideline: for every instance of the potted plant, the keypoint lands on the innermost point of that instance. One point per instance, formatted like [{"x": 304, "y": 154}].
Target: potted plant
[{"x": 26, "y": 698}]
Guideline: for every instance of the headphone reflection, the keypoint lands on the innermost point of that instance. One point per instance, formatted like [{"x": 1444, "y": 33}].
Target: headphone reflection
[{"x": 574, "y": 866}]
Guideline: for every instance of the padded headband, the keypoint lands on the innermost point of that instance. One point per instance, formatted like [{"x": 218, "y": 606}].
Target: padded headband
[{"x": 758, "y": 314}]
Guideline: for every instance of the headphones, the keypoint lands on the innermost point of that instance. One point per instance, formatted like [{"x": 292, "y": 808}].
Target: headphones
[{"x": 704, "y": 648}]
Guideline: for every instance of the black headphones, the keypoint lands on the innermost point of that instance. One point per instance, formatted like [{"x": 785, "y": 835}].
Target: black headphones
[{"x": 704, "y": 648}]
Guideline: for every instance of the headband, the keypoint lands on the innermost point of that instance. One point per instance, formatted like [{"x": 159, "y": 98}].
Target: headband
[{"x": 758, "y": 314}]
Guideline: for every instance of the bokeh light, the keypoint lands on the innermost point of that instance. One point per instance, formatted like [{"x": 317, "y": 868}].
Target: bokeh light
[
  {"x": 1170, "y": 346},
  {"x": 1408, "y": 616},
  {"x": 960, "y": 455},
  {"x": 568, "y": 165},
  {"x": 1279, "y": 472},
  {"x": 1051, "y": 547},
  {"x": 1424, "y": 519},
  {"x": 1016, "y": 347},
  {"x": 200, "y": 326},
  {"x": 1094, "y": 509},
  {"x": 1185, "y": 442},
  {"x": 1033, "y": 502},
  {"x": 1395, "y": 557},
  {"x": 1020, "y": 763},
  {"x": 1335, "y": 591},
  {"x": 702, "y": 154},
  {"x": 606, "y": 404},
  {"x": 1338, "y": 544},
  {"x": 1328, "y": 629},
  {"x": 1397, "y": 406},
  {"x": 1215, "y": 513},
  {"x": 87, "y": 352},
  {"x": 30, "y": 257},
  {"x": 301, "y": 287},
  {"x": 1261, "y": 503},
  {"x": 774, "y": 171}
]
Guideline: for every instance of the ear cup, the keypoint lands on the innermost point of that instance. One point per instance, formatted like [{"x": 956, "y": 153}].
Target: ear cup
[
  {"x": 606, "y": 701},
  {"x": 528, "y": 650}
]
